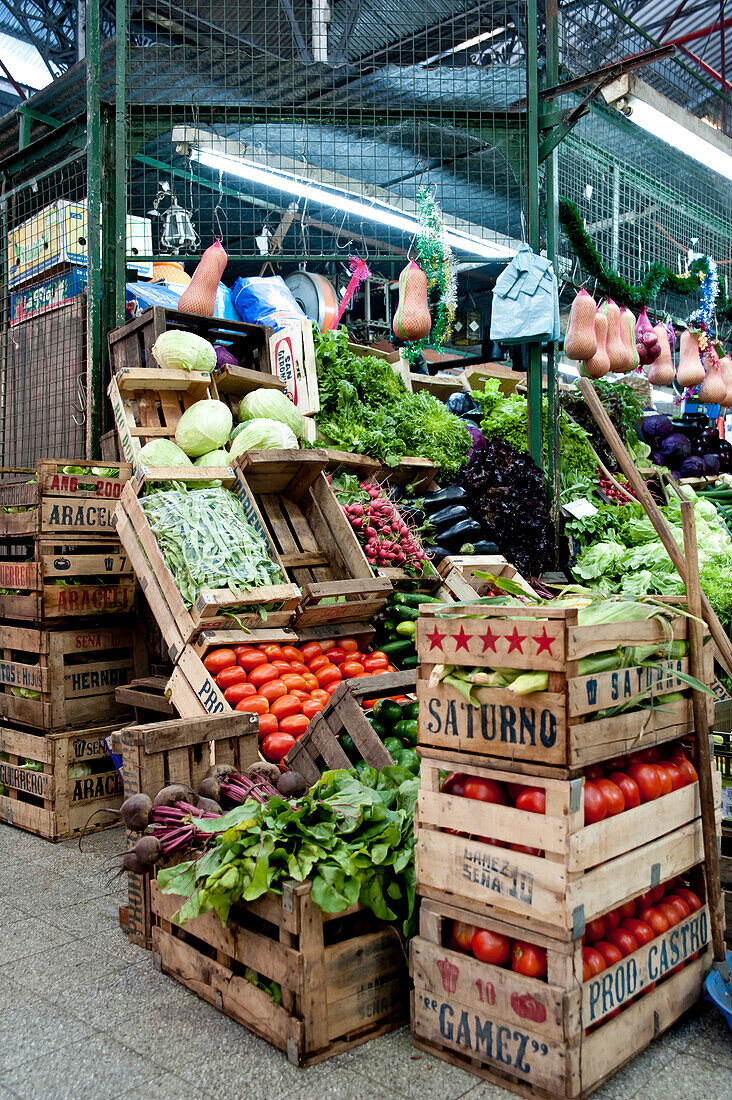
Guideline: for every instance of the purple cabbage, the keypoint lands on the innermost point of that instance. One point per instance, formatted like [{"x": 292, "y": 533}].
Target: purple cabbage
[
  {"x": 655, "y": 428},
  {"x": 711, "y": 465},
  {"x": 224, "y": 357},
  {"x": 675, "y": 448},
  {"x": 692, "y": 467}
]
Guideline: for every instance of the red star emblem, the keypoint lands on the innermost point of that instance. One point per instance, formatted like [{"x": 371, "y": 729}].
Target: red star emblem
[
  {"x": 462, "y": 639},
  {"x": 435, "y": 639},
  {"x": 489, "y": 640},
  {"x": 544, "y": 642},
  {"x": 515, "y": 641}
]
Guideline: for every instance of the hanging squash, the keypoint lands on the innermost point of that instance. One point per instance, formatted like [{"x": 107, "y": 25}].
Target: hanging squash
[
  {"x": 599, "y": 365},
  {"x": 661, "y": 372},
  {"x": 712, "y": 390},
  {"x": 412, "y": 320},
  {"x": 690, "y": 372},
  {"x": 627, "y": 335},
  {"x": 725, "y": 367},
  {"x": 621, "y": 359},
  {"x": 200, "y": 294},
  {"x": 580, "y": 342}
]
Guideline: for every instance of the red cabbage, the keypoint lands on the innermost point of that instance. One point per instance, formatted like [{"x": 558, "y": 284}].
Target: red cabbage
[
  {"x": 692, "y": 467},
  {"x": 655, "y": 428},
  {"x": 711, "y": 465},
  {"x": 224, "y": 357},
  {"x": 675, "y": 448}
]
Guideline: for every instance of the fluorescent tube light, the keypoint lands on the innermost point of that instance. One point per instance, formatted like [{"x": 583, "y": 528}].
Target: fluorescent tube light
[
  {"x": 485, "y": 37},
  {"x": 376, "y": 210},
  {"x": 675, "y": 134}
]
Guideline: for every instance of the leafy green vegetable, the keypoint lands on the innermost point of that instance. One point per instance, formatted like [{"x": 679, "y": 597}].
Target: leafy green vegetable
[
  {"x": 203, "y": 427},
  {"x": 267, "y": 435},
  {"x": 162, "y": 452},
  {"x": 268, "y": 404},
  {"x": 179, "y": 350}
]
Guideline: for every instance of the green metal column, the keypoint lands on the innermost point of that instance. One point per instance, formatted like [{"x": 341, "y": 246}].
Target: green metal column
[
  {"x": 532, "y": 205},
  {"x": 93, "y": 203},
  {"x": 552, "y": 241},
  {"x": 120, "y": 163}
]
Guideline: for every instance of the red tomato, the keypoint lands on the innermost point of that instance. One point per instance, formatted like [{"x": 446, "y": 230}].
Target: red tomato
[
  {"x": 586, "y": 972},
  {"x": 514, "y": 790},
  {"x": 629, "y": 787},
  {"x": 692, "y": 900},
  {"x": 643, "y": 901},
  {"x": 623, "y": 941},
  {"x": 614, "y": 797},
  {"x": 318, "y": 662},
  {"x": 686, "y": 768},
  {"x": 528, "y": 959},
  {"x": 595, "y": 804},
  {"x": 641, "y": 932},
  {"x": 292, "y": 680},
  {"x": 310, "y": 650},
  {"x": 533, "y": 800},
  {"x": 594, "y": 962},
  {"x": 294, "y": 724},
  {"x": 241, "y": 649},
  {"x": 274, "y": 652},
  {"x": 331, "y": 687},
  {"x": 311, "y": 707},
  {"x": 656, "y": 919},
  {"x": 651, "y": 755},
  {"x": 454, "y": 783},
  {"x": 674, "y": 771},
  {"x": 648, "y": 780},
  {"x": 237, "y": 692},
  {"x": 523, "y": 848},
  {"x": 253, "y": 704},
  {"x": 276, "y": 746},
  {"x": 320, "y": 696},
  {"x": 286, "y": 705},
  {"x": 617, "y": 764},
  {"x": 350, "y": 645},
  {"x": 219, "y": 659},
  {"x": 657, "y": 893},
  {"x": 303, "y": 696},
  {"x": 485, "y": 790},
  {"x": 491, "y": 947},
  {"x": 337, "y": 655},
  {"x": 298, "y": 668},
  {"x": 595, "y": 930},
  {"x": 375, "y": 664},
  {"x": 670, "y": 911},
  {"x": 273, "y": 689},
  {"x": 230, "y": 676},
  {"x": 612, "y": 920},
  {"x": 677, "y": 748},
  {"x": 328, "y": 674},
  {"x": 289, "y": 653},
  {"x": 349, "y": 669},
  {"x": 283, "y": 667},
  {"x": 594, "y": 771},
  {"x": 608, "y": 952},
  {"x": 680, "y": 904},
  {"x": 262, "y": 675},
  {"x": 627, "y": 909},
  {"x": 251, "y": 659},
  {"x": 267, "y": 724},
  {"x": 666, "y": 784},
  {"x": 327, "y": 646},
  {"x": 463, "y": 934},
  {"x": 311, "y": 682}
]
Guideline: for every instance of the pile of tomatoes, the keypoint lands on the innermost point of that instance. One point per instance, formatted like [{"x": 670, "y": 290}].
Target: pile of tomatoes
[
  {"x": 288, "y": 685},
  {"x": 492, "y": 947}
]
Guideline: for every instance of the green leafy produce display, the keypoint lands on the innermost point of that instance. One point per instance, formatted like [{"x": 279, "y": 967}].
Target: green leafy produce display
[
  {"x": 623, "y": 406},
  {"x": 351, "y": 835},
  {"x": 365, "y": 408},
  {"x": 207, "y": 542}
]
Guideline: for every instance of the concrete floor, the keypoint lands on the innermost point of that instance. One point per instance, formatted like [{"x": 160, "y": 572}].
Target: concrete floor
[{"x": 84, "y": 1014}]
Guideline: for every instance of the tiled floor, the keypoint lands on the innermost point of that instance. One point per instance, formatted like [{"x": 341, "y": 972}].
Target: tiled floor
[{"x": 84, "y": 1014}]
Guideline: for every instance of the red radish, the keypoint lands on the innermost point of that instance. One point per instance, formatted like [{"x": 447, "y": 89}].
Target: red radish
[{"x": 200, "y": 294}]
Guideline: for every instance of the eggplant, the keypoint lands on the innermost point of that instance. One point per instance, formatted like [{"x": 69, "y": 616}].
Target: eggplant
[
  {"x": 453, "y": 494},
  {"x": 467, "y": 530},
  {"x": 485, "y": 547},
  {"x": 461, "y": 403},
  {"x": 448, "y": 517},
  {"x": 437, "y": 554}
]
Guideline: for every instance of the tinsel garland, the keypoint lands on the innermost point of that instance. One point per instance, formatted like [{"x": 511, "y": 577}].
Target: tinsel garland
[
  {"x": 434, "y": 256},
  {"x": 658, "y": 277}
]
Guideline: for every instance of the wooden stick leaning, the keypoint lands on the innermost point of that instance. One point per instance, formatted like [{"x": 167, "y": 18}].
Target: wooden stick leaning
[
  {"x": 703, "y": 732},
  {"x": 629, "y": 468}
]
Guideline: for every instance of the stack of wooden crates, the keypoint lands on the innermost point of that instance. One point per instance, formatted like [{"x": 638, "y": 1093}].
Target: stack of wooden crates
[
  {"x": 557, "y": 1037},
  {"x": 68, "y": 638}
]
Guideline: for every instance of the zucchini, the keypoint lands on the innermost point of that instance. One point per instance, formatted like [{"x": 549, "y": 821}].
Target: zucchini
[
  {"x": 393, "y": 649},
  {"x": 389, "y": 624},
  {"x": 406, "y": 629},
  {"x": 408, "y": 613},
  {"x": 414, "y": 599},
  {"x": 453, "y": 494},
  {"x": 409, "y": 662}
]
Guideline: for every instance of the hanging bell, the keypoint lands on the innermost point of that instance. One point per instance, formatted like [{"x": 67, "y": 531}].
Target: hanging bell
[{"x": 177, "y": 232}]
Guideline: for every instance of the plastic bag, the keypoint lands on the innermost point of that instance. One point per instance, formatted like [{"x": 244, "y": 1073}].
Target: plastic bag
[
  {"x": 266, "y": 301},
  {"x": 525, "y": 301}
]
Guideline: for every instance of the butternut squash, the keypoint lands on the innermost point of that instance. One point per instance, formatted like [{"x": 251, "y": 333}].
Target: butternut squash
[
  {"x": 725, "y": 367},
  {"x": 690, "y": 371},
  {"x": 712, "y": 390},
  {"x": 627, "y": 334},
  {"x": 621, "y": 360},
  {"x": 580, "y": 342},
  {"x": 599, "y": 365},
  {"x": 200, "y": 294},
  {"x": 412, "y": 320},
  {"x": 661, "y": 371}
]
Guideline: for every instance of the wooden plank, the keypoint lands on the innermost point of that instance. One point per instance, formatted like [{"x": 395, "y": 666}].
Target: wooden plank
[
  {"x": 164, "y": 736},
  {"x": 495, "y": 643}
]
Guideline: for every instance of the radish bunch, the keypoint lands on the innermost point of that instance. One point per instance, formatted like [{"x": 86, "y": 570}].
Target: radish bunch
[{"x": 385, "y": 535}]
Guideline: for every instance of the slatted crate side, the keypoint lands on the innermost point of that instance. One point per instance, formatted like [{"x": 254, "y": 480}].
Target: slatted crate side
[
  {"x": 470, "y": 566},
  {"x": 155, "y": 754},
  {"x": 148, "y": 403},
  {"x": 76, "y": 672},
  {"x": 342, "y": 976},
  {"x": 57, "y": 503},
  {"x": 319, "y": 747},
  {"x": 57, "y": 802},
  {"x": 314, "y": 540}
]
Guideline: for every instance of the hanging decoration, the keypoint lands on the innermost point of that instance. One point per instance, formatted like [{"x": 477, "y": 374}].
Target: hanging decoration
[
  {"x": 412, "y": 320},
  {"x": 359, "y": 271},
  {"x": 434, "y": 256}
]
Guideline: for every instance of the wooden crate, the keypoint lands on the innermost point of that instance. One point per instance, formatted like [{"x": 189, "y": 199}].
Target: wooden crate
[
  {"x": 343, "y": 976},
  {"x": 530, "y": 1036},
  {"x": 315, "y": 542},
  {"x": 76, "y": 671},
  {"x": 266, "y": 356},
  {"x": 725, "y": 874},
  {"x": 99, "y": 575},
  {"x": 553, "y": 728},
  {"x": 57, "y": 802},
  {"x": 412, "y": 470},
  {"x": 584, "y": 871},
  {"x": 469, "y": 566},
  {"x": 55, "y": 504},
  {"x": 148, "y": 402},
  {"x": 146, "y": 696},
  {"x": 178, "y": 623},
  {"x": 174, "y": 751},
  {"x": 319, "y": 747}
]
